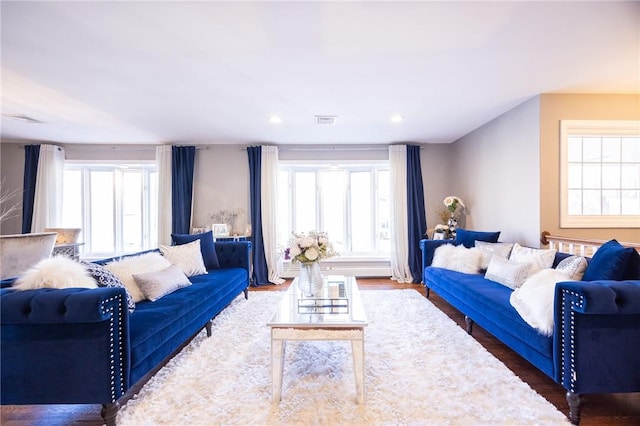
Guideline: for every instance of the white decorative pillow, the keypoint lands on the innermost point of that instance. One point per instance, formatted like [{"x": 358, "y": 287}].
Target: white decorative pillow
[
  {"x": 186, "y": 256},
  {"x": 539, "y": 258},
  {"x": 126, "y": 267},
  {"x": 156, "y": 284},
  {"x": 489, "y": 250},
  {"x": 574, "y": 266},
  {"x": 457, "y": 258},
  {"x": 55, "y": 272},
  {"x": 507, "y": 272},
  {"x": 534, "y": 299}
]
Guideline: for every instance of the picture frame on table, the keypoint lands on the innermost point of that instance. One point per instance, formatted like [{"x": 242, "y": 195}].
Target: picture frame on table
[{"x": 220, "y": 229}]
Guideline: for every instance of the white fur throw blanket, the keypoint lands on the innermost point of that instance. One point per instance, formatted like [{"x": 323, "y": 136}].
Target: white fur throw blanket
[{"x": 534, "y": 299}]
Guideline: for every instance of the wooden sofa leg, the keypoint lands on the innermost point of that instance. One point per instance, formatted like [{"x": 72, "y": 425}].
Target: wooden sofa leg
[
  {"x": 207, "y": 326},
  {"x": 469, "y": 323},
  {"x": 109, "y": 413},
  {"x": 246, "y": 293},
  {"x": 575, "y": 401},
  {"x": 428, "y": 291}
]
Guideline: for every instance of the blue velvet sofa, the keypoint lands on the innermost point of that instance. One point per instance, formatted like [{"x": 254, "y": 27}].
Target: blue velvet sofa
[
  {"x": 82, "y": 346},
  {"x": 596, "y": 335}
]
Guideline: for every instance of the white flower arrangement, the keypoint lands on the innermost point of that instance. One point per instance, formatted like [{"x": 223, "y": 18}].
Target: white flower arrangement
[
  {"x": 309, "y": 248},
  {"x": 452, "y": 203}
]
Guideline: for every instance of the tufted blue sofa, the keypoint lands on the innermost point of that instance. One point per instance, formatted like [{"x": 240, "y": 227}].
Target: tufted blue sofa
[
  {"x": 82, "y": 346},
  {"x": 594, "y": 346}
]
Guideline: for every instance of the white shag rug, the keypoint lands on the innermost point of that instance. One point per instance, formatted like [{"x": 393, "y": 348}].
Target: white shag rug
[{"x": 420, "y": 369}]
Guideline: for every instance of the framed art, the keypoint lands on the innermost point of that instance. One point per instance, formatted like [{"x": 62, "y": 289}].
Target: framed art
[{"x": 220, "y": 229}]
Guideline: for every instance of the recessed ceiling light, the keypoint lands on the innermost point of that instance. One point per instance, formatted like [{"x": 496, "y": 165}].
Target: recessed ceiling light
[
  {"x": 274, "y": 119},
  {"x": 325, "y": 120},
  {"x": 397, "y": 118}
]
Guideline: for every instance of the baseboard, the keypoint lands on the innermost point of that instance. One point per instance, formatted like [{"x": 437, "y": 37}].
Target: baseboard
[{"x": 356, "y": 268}]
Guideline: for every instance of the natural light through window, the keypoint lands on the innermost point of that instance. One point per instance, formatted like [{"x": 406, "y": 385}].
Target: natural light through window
[
  {"x": 115, "y": 205},
  {"x": 600, "y": 177},
  {"x": 349, "y": 202}
]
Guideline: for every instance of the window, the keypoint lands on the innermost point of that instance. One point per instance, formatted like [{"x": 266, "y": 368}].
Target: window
[
  {"x": 600, "y": 174},
  {"x": 349, "y": 202},
  {"x": 115, "y": 205}
]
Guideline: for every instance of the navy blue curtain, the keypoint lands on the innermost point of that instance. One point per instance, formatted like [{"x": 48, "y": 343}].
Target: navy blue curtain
[
  {"x": 31, "y": 157},
  {"x": 182, "y": 166},
  {"x": 260, "y": 271},
  {"x": 416, "y": 220}
]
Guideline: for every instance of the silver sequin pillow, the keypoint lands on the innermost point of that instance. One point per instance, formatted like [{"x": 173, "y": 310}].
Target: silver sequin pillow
[{"x": 574, "y": 266}]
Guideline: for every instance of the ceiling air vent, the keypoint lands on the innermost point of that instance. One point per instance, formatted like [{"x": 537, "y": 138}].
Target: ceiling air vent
[{"x": 324, "y": 120}]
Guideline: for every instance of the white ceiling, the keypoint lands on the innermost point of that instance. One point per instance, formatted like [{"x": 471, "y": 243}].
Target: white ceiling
[{"x": 214, "y": 72}]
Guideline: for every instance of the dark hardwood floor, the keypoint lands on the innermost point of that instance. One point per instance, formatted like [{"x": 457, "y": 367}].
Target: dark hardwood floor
[{"x": 600, "y": 410}]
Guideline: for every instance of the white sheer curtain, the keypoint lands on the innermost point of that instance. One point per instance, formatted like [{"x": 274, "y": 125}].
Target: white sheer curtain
[
  {"x": 400, "y": 270},
  {"x": 163, "y": 159},
  {"x": 269, "y": 199},
  {"x": 47, "y": 203}
]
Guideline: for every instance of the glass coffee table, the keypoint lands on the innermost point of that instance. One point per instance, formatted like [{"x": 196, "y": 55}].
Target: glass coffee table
[{"x": 335, "y": 314}]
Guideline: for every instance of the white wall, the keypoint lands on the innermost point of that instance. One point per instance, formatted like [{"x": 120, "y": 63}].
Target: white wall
[
  {"x": 437, "y": 164},
  {"x": 221, "y": 181},
  {"x": 497, "y": 173}
]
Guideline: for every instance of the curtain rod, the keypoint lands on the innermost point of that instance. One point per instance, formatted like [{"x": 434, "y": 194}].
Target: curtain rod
[{"x": 330, "y": 148}]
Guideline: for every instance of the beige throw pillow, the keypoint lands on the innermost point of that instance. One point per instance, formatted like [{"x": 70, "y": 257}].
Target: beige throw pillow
[
  {"x": 187, "y": 257},
  {"x": 538, "y": 258},
  {"x": 489, "y": 250},
  {"x": 125, "y": 268}
]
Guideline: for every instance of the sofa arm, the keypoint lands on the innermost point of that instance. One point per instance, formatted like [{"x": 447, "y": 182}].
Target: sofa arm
[
  {"x": 600, "y": 297},
  {"x": 64, "y": 346},
  {"x": 596, "y": 336},
  {"x": 234, "y": 254}
]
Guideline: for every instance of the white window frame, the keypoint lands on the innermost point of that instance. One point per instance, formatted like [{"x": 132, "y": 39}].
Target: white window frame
[
  {"x": 572, "y": 128},
  {"x": 350, "y": 166},
  {"x": 119, "y": 168}
]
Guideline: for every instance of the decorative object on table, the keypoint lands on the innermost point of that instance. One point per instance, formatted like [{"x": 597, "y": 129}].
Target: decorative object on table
[
  {"x": 441, "y": 232},
  {"x": 309, "y": 250},
  {"x": 65, "y": 235},
  {"x": 226, "y": 216},
  {"x": 452, "y": 203},
  {"x": 220, "y": 229}
]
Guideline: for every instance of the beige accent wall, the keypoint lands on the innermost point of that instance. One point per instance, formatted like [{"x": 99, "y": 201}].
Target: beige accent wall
[{"x": 556, "y": 107}]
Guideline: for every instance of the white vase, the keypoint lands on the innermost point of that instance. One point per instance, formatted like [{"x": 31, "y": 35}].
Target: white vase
[
  {"x": 20, "y": 252},
  {"x": 310, "y": 281}
]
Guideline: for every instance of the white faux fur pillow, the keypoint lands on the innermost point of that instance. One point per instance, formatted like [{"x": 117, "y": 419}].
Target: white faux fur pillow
[
  {"x": 55, "y": 272},
  {"x": 457, "y": 258},
  {"x": 125, "y": 268},
  {"x": 534, "y": 299}
]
